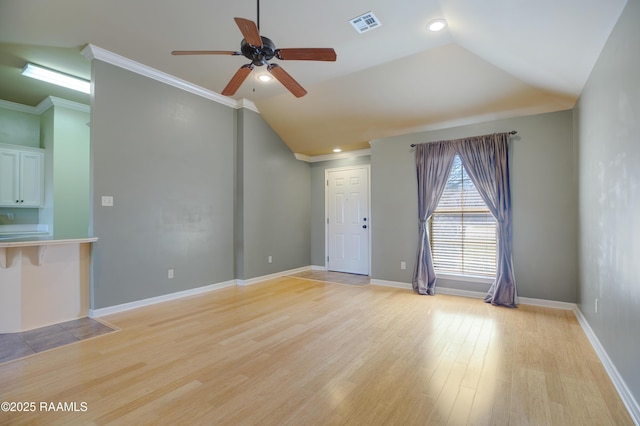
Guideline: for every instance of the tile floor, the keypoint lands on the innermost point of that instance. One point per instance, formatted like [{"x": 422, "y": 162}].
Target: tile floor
[
  {"x": 334, "y": 277},
  {"x": 17, "y": 345}
]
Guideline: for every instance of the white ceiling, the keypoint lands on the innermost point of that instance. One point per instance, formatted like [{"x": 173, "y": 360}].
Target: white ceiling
[{"x": 496, "y": 59}]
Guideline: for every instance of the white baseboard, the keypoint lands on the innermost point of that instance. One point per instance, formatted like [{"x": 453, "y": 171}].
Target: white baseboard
[
  {"x": 318, "y": 268},
  {"x": 625, "y": 394},
  {"x": 439, "y": 290},
  {"x": 479, "y": 295},
  {"x": 94, "y": 313},
  {"x": 461, "y": 293},
  {"x": 272, "y": 276},
  {"x": 394, "y": 284},
  {"x": 567, "y": 306},
  {"x": 520, "y": 300}
]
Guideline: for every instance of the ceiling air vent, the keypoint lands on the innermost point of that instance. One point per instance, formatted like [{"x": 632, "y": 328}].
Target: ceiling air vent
[{"x": 365, "y": 22}]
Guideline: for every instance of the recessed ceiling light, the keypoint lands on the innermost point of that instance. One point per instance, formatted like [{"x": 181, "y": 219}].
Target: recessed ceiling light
[
  {"x": 337, "y": 150},
  {"x": 437, "y": 25},
  {"x": 56, "y": 77},
  {"x": 265, "y": 77}
]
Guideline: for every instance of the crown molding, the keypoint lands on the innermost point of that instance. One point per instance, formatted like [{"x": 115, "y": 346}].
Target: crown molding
[
  {"x": 330, "y": 157},
  {"x": 46, "y": 103},
  {"x": 246, "y": 103},
  {"x": 18, "y": 107},
  {"x": 92, "y": 52},
  {"x": 302, "y": 157},
  {"x": 50, "y": 101}
]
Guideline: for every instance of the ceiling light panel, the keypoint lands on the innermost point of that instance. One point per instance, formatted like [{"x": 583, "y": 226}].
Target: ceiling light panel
[
  {"x": 365, "y": 22},
  {"x": 56, "y": 77}
]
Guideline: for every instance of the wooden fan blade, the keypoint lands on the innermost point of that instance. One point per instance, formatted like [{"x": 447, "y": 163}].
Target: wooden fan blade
[
  {"x": 249, "y": 31},
  {"x": 205, "y": 52},
  {"x": 237, "y": 80},
  {"x": 311, "y": 54},
  {"x": 287, "y": 81}
]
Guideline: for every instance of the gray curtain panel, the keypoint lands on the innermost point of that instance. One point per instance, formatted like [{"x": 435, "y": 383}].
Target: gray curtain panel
[
  {"x": 486, "y": 162},
  {"x": 433, "y": 162}
]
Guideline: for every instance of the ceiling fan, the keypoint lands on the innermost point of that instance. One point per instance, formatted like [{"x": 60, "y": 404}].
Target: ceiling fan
[{"x": 259, "y": 50}]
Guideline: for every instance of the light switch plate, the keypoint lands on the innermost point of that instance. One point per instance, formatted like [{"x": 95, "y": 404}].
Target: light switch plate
[{"x": 107, "y": 201}]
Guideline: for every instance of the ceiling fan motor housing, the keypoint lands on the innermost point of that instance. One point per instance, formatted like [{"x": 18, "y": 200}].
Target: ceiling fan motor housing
[{"x": 259, "y": 55}]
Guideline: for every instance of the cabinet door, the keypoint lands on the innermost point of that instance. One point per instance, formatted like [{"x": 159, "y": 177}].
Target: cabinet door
[
  {"x": 31, "y": 178},
  {"x": 9, "y": 186}
]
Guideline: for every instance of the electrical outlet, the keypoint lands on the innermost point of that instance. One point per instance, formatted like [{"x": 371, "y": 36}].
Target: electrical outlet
[
  {"x": 270, "y": 259},
  {"x": 403, "y": 265},
  {"x": 107, "y": 201},
  {"x": 170, "y": 274},
  {"x": 596, "y": 306}
]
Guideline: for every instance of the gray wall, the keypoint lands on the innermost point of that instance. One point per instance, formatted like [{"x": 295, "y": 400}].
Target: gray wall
[
  {"x": 167, "y": 158},
  {"x": 198, "y": 187},
  {"x": 318, "y": 203},
  {"x": 544, "y": 202},
  {"x": 608, "y": 130},
  {"x": 274, "y": 201}
]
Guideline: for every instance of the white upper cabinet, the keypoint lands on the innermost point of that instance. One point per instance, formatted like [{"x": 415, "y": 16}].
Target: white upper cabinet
[
  {"x": 9, "y": 169},
  {"x": 21, "y": 177}
]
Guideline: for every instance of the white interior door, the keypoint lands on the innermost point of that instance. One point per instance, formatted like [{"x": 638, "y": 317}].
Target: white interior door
[{"x": 348, "y": 220}]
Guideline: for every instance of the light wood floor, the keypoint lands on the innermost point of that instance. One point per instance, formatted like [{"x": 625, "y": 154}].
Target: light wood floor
[
  {"x": 300, "y": 352},
  {"x": 334, "y": 277}
]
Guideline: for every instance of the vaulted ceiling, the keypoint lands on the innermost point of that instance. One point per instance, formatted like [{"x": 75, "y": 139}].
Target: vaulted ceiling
[{"x": 496, "y": 58}]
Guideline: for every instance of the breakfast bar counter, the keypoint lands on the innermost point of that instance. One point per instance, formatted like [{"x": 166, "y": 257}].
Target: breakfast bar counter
[{"x": 44, "y": 280}]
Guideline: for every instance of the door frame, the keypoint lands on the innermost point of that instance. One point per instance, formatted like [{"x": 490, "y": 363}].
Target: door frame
[{"x": 326, "y": 209}]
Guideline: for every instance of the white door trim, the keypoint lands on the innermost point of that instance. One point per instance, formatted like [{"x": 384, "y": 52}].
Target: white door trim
[{"x": 326, "y": 209}]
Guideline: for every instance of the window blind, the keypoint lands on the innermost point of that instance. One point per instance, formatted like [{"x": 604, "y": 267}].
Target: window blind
[{"x": 462, "y": 230}]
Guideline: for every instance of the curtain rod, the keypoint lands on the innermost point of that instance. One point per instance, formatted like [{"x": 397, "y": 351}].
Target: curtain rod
[{"x": 513, "y": 132}]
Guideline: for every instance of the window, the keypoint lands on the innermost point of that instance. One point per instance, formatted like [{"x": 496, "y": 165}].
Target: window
[{"x": 462, "y": 230}]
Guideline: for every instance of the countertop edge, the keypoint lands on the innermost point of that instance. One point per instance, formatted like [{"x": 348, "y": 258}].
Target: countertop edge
[{"x": 47, "y": 242}]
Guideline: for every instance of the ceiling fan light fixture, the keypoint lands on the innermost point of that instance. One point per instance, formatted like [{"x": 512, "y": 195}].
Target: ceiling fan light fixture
[
  {"x": 437, "y": 25},
  {"x": 260, "y": 50},
  {"x": 56, "y": 77}
]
